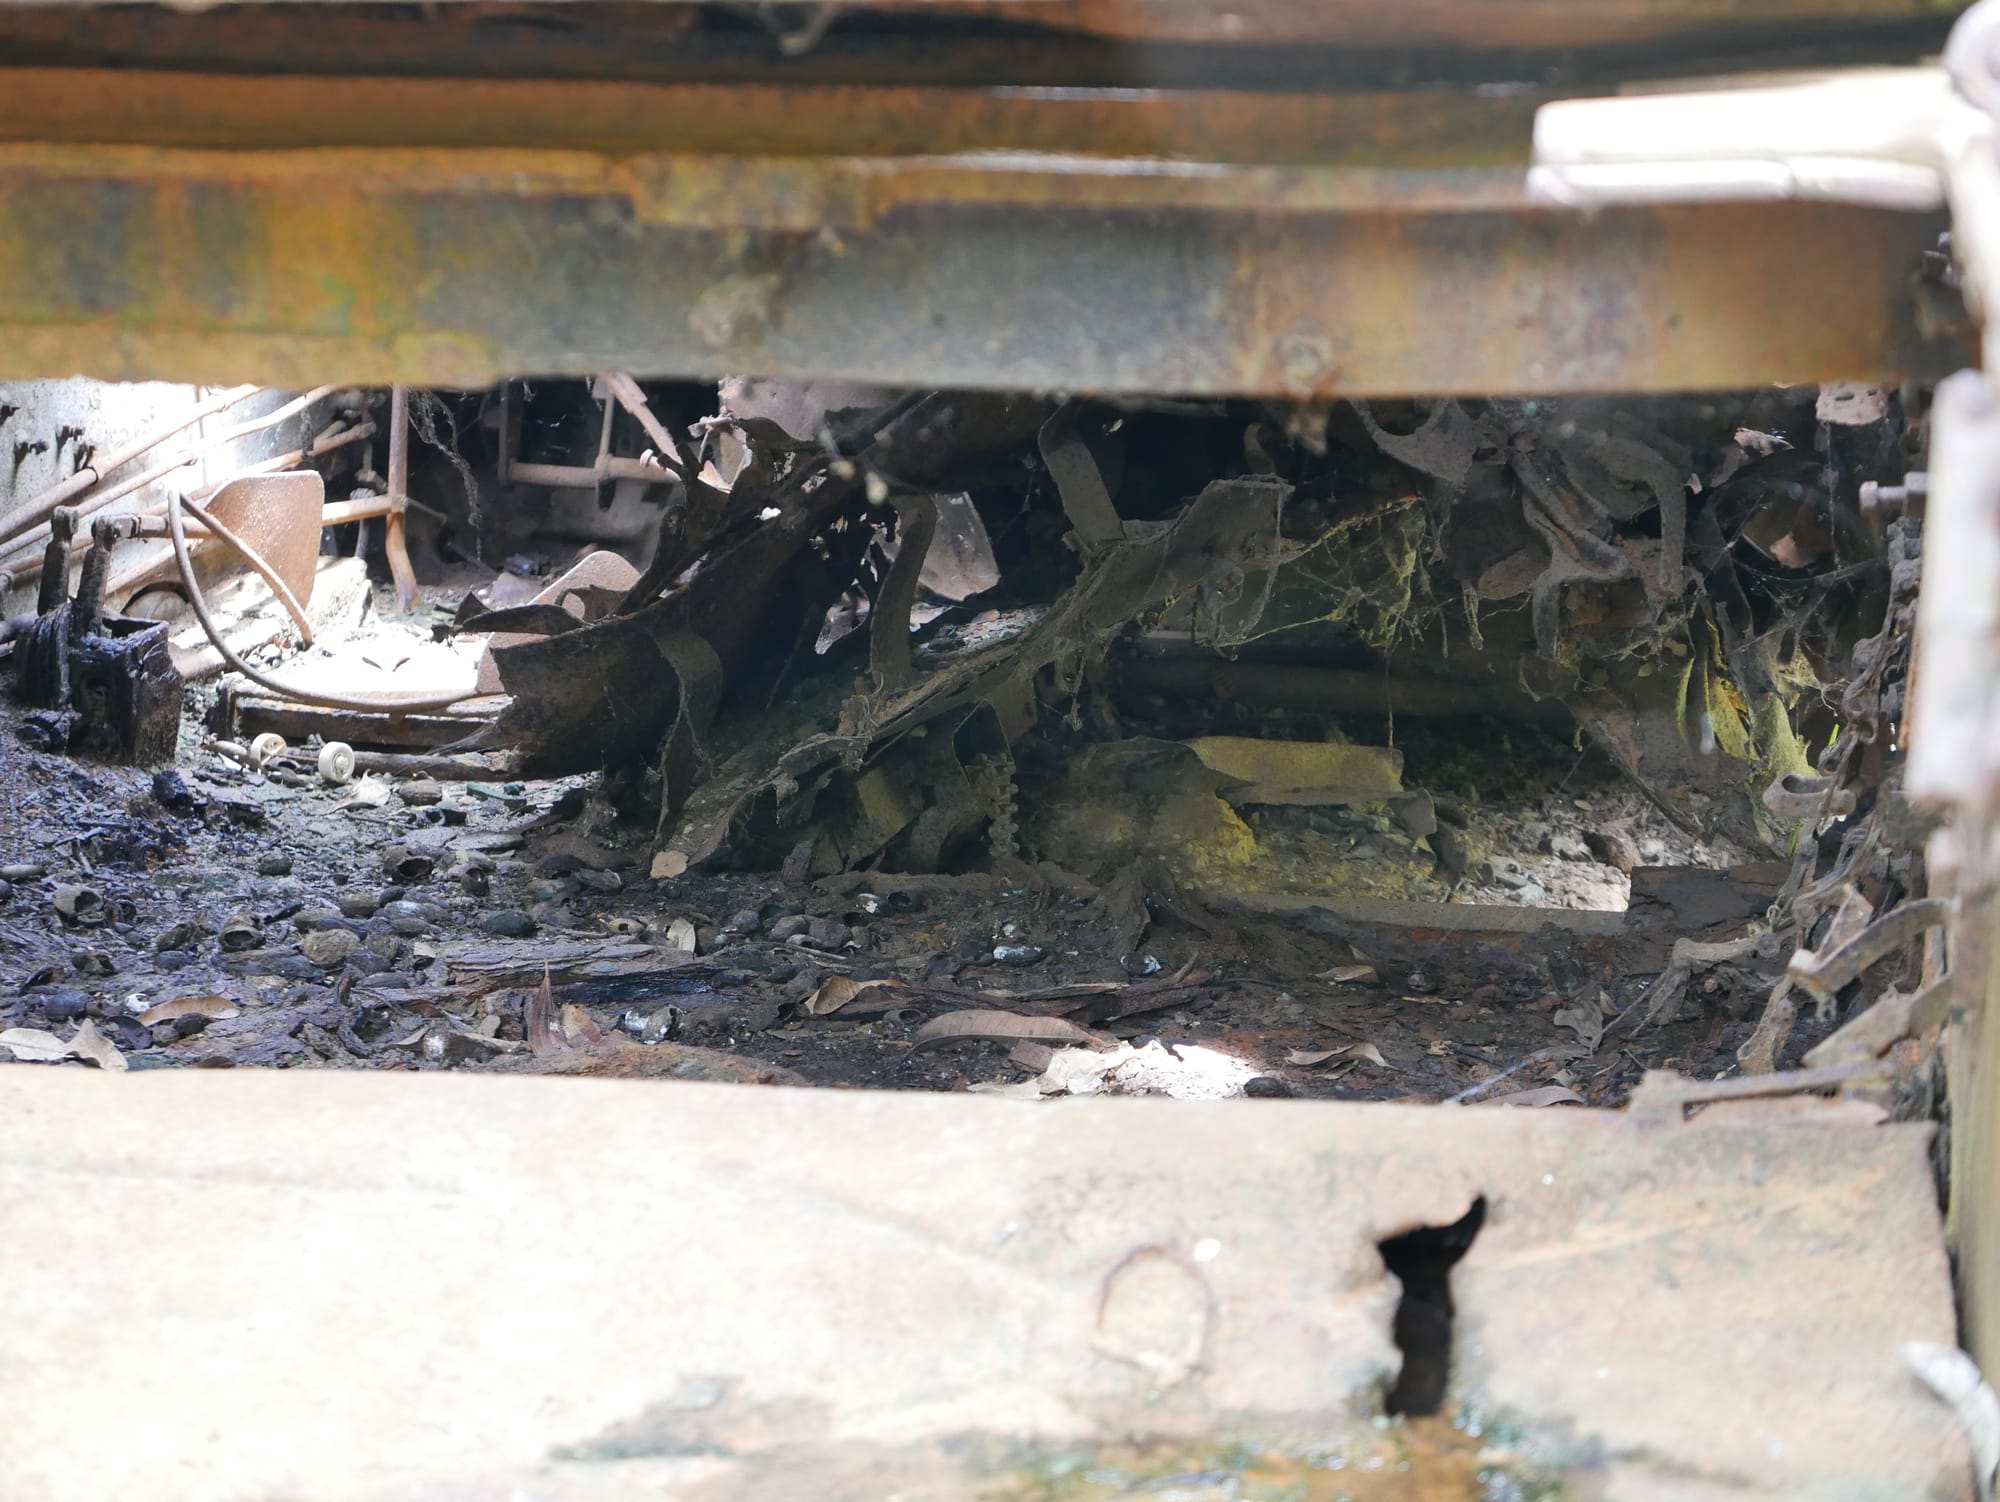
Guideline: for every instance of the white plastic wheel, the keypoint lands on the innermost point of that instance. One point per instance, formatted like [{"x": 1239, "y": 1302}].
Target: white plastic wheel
[
  {"x": 336, "y": 762},
  {"x": 265, "y": 747}
]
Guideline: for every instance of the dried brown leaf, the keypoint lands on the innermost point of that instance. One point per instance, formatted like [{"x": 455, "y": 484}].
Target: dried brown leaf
[
  {"x": 1585, "y": 1018},
  {"x": 88, "y": 1044},
  {"x": 1306, "y": 1058},
  {"x": 1350, "y": 975},
  {"x": 539, "y": 1023},
  {"x": 214, "y": 1007},
  {"x": 837, "y": 991},
  {"x": 1369, "y": 1052},
  {"x": 680, "y": 935},
  {"x": 1000, "y": 1027},
  {"x": 31, "y": 1045},
  {"x": 1545, "y": 1095}
]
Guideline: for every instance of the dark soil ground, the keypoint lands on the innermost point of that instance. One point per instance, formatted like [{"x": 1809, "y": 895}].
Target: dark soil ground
[{"x": 267, "y": 917}]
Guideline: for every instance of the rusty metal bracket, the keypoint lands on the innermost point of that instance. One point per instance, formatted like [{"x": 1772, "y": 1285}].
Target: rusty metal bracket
[
  {"x": 1821, "y": 976},
  {"x": 1086, "y": 500},
  {"x": 889, "y": 616}
]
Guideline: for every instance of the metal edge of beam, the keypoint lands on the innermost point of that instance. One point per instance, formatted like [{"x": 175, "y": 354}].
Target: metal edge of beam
[{"x": 458, "y": 267}]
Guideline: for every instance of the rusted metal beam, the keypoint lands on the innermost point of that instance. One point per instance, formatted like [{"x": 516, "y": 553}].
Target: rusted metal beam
[
  {"x": 453, "y": 265},
  {"x": 219, "y": 111}
]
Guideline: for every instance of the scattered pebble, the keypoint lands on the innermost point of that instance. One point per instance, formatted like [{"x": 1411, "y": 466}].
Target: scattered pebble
[
  {"x": 328, "y": 947},
  {"x": 508, "y": 924}
]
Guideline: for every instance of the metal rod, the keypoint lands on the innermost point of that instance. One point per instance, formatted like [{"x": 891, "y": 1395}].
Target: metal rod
[
  {"x": 584, "y": 477},
  {"x": 672, "y": 450},
  {"x": 395, "y": 542}
]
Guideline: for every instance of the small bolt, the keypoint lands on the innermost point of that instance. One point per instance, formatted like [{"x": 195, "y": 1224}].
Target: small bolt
[{"x": 1304, "y": 364}]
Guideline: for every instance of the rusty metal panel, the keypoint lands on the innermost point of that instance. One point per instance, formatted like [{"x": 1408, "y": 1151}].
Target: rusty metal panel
[
  {"x": 815, "y": 121},
  {"x": 399, "y": 1288},
  {"x": 455, "y": 266}
]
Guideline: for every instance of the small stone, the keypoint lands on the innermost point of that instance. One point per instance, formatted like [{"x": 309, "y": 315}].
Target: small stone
[
  {"x": 274, "y": 865},
  {"x": 328, "y": 947},
  {"x": 1140, "y": 964},
  {"x": 358, "y": 904},
  {"x": 171, "y": 792},
  {"x": 1507, "y": 874},
  {"x": 63, "y": 1004},
  {"x": 1449, "y": 847},
  {"x": 126, "y": 1033},
  {"x": 402, "y": 909},
  {"x": 1018, "y": 954},
  {"x": 508, "y": 924},
  {"x": 162, "y": 1034},
  {"x": 558, "y": 864},
  {"x": 606, "y": 882},
  {"x": 294, "y": 966},
  {"x": 1265, "y": 1087},
  {"x": 828, "y": 933},
  {"x": 171, "y": 960},
  {"x": 1419, "y": 984},
  {"x": 23, "y": 871},
  {"x": 1566, "y": 847},
  {"x": 747, "y": 921},
  {"x": 420, "y": 792},
  {"x": 6, "y": 891},
  {"x": 409, "y": 928},
  {"x": 306, "y": 919},
  {"x": 661, "y": 1025},
  {"x": 1614, "y": 847},
  {"x": 791, "y": 927},
  {"x": 182, "y": 935}
]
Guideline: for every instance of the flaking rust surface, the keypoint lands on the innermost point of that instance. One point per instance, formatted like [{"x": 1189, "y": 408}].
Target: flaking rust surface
[{"x": 353, "y": 1286}]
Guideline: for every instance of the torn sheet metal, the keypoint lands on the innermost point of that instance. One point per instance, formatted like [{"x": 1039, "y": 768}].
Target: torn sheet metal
[{"x": 1631, "y": 1322}]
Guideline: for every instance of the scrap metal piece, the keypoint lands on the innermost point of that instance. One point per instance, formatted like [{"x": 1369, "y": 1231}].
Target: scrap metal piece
[
  {"x": 1896, "y": 1015},
  {"x": 1798, "y": 795},
  {"x": 1230, "y": 519},
  {"x": 1300, "y": 772},
  {"x": 1822, "y": 975},
  {"x": 109, "y": 681},
  {"x": 1086, "y": 500}
]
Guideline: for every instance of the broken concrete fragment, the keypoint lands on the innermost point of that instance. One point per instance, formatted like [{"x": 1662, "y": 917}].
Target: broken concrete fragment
[{"x": 1300, "y": 772}]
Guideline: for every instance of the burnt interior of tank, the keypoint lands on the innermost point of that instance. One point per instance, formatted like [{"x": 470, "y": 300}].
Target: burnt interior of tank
[{"x": 1016, "y": 742}]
